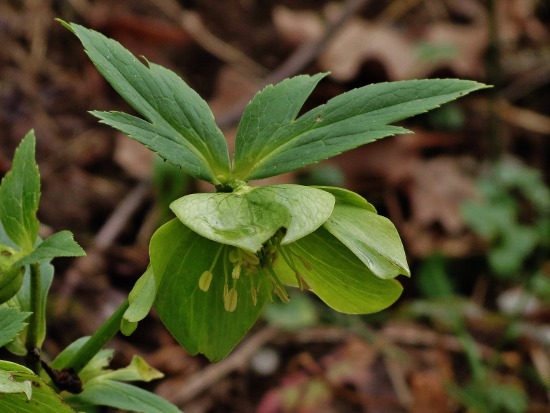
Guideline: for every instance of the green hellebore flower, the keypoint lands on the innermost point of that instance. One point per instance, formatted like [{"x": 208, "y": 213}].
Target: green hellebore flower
[
  {"x": 11, "y": 277},
  {"x": 228, "y": 253}
]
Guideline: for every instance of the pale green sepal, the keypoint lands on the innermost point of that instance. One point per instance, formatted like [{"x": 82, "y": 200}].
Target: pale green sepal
[
  {"x": 197, "y": 319},
  {"x": 337, "y": 276},
  {"x": 347, "y": 197},
  {"x": 371, "y": 237},
  {"x": 20, "y": 195},
  {"x": 247, "y": 220}
]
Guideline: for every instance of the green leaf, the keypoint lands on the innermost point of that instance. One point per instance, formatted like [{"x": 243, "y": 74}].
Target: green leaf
[
  {"x": 60, "y": 244},
  {"x": 141, "y": 299},
  {"x": 345, "y": 122},
  {"x": 197, "y": 319},
  {"x": 337, "y": 276},
  {"x": 270, "y": 110},
  {"x": 22, "y": 391},
  {"x": 121, "y": 396},
  {"x": 19, "y": 196},
  {"x": 249, "y": 219},
  {"x": 371, "y": 237},
  {"x": 178, "y": 124},
  {"x": 12, "y": 321}
]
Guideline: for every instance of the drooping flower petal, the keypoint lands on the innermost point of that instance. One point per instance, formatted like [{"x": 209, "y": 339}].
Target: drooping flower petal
[
  {"x": 248, "y": 219},
  {"x": 336, "y": 275}
]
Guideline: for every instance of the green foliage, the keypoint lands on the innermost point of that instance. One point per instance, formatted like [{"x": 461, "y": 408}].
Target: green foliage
[
  {"x": 228, "y": 253},
  {"x": 23, "y": 391},
  {"x": 106, "y": 387},
  {"x": 231, "y": 251},
  {"x": 12, "y": 321},
  {"x": 513, "y": 216}
]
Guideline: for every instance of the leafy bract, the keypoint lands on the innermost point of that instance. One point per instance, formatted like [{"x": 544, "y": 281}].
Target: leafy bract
[
  {"x": 345, "y": 122},
  {"x": 22, "y": 391},
  {"x": 275, "y": 106},
  {"x": 19, "y": 196},
  {"x": 337, "y": 276},
  {"x": 371, "y": 237},
  {"x": 178, "y": 124},
  {"x": 249, "y": 219},
  {"x": 60, "y": 244},
  {"x": 197, "y": 319},
  {"x": 12, "y": 321},
  {"x": 141, "y": 299}
]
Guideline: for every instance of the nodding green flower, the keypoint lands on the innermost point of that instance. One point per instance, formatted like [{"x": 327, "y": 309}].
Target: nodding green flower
[{"x": 228, "y": 253}]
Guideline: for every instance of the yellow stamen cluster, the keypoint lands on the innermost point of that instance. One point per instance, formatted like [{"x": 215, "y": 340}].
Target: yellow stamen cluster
[{"x": 238, "y": 262}]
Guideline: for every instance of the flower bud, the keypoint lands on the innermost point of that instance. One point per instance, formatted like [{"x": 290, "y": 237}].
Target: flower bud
[{"x": 11, "y": 278}]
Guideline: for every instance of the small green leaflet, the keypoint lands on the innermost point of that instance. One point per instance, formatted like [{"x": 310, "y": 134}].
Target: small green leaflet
[
  {"x": 60, "y": 244},
  {"x": 197, "y": 319},
  {"x": 345, "y": 122},
  {"x": 22, "y": 391},
  {"x": 271, "y": 109},
  {"x": 249, "y": 219},
  {"x": 19, "y": 196},
  {"x": 12, "y": 321},
  {"x": 178, "y": 124}
]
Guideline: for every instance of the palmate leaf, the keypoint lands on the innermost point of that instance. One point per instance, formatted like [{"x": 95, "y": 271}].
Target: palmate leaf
[
  {"x": 178, "y": 124},
  {"x": 345, "y": 122},
  {"x": 197, "y": 319}
]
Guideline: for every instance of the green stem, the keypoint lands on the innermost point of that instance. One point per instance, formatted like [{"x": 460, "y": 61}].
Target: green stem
[
  {"x": 98, "y": 340},
  {"x": 37, "y": 317}
]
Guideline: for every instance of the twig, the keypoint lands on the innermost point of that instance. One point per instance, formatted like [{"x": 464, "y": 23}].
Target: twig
[
  {"x": 104, "y": 239},
  {"x": 297, "y": 62},
  {"x": 192, "y": 24}
]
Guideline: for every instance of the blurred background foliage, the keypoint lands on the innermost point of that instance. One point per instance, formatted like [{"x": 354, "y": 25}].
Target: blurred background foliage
[{"x": 468, "y": 192}]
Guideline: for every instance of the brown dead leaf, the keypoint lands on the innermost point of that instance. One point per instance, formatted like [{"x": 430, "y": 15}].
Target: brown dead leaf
[
  {"x": 401, "y": 51},
  {"x": 439, "y": 186}
]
